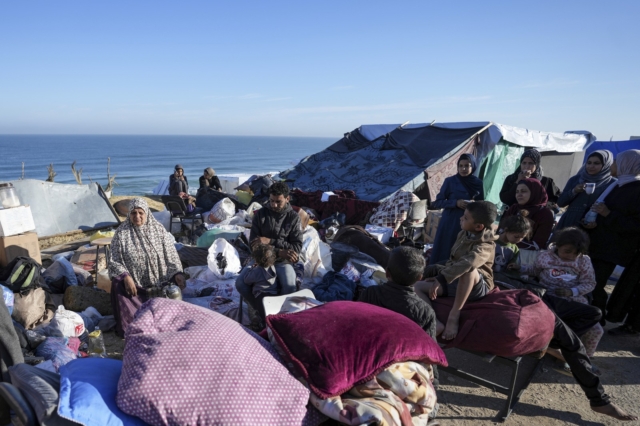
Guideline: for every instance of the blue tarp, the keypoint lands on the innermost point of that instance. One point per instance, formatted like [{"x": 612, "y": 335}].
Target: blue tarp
[
  {"x": 614, "y": 147},
  {"x": 376, "y": 168}
]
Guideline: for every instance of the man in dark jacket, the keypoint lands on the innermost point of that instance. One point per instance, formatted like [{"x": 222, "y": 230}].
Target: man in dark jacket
[
  {"x": 278, "y": 225},
  {"x": 405, "y": 267}
]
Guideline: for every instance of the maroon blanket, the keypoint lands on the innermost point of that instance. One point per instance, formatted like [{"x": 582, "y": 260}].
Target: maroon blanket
[{"x": 343, "y": 202}]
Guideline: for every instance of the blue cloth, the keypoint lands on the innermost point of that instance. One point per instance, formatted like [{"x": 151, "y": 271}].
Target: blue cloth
[
  {"x": 334, "y": 286},
  {"x": 88, "y": 388},
  {"x": 60, "y": 268},
  {"x": 452, "y": 190},
  {"x": 578, "y": 205},
  {"x": 285, "y": 277},
  {"x": 7, "y": 296},
  {"x": 614, "y": 147}
]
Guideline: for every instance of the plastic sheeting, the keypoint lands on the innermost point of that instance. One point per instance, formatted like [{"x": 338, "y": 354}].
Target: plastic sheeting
[
  {"x": 499, "y": 164},
  {"x": 59, "y": 208},
  {"x": 614, "y": 147}
]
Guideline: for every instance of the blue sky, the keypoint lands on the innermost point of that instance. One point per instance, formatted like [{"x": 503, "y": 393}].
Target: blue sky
[{"x": 316, "y": 68}]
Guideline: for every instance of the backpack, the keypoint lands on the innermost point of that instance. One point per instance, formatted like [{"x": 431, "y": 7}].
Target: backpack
[{"x": 21, "y": 275}]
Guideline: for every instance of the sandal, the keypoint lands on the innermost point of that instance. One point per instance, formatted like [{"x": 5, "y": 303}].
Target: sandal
[{"x": 623, "y": 330}]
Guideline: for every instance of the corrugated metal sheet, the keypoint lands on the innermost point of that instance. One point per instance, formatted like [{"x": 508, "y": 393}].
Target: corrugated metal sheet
[{"x": 59, "y": 208}]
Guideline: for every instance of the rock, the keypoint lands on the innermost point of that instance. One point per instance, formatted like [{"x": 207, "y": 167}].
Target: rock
[{"x": 78, "y": 299}]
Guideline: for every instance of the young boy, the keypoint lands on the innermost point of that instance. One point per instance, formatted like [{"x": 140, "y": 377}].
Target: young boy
[
  {"x": 468, "y": 273},
  {"x": 514, "y": 230},
  {"x": 405, "y": 267},
  {"x": 262, "y": 277}
]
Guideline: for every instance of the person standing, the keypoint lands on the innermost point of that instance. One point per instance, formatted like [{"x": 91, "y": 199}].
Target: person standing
[
  {"x": 583, "y": 189},
  {"x": 529, "y": 168},
  {"x": 456, "y": 192},
  {"x": 615, "y": 233}
]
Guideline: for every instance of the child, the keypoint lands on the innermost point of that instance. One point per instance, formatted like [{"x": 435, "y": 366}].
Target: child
[
  {"x": 566, "y": 271},
  {"x": 468, "y": 274},
  {"x": 262, "y": 277},
  {"x": 405, "y": 267},
  {"x": 515, "y": 229}
]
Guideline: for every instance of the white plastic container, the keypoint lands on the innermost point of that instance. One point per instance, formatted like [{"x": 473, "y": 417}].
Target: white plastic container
[{"x": 8, "y": 196}]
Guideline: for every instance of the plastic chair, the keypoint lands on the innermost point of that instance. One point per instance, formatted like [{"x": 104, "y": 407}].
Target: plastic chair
[
  {"x": 178, "y": 209},
  {"x": 415, "y": 219}
]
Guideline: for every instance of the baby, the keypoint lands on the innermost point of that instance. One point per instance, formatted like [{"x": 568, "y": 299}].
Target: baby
[{"x": 262, "y": 276}]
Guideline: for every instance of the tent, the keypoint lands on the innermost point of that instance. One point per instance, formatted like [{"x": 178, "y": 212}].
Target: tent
[
  {"x": 377, "y": 160},
  {"x": 614, "y": 147}
]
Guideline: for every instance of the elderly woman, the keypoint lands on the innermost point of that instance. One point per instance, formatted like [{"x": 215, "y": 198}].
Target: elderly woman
[
  {"x": 210, "y": 180},
  {"x": 456, "y": 192},
  {"x": 579, "y": 198},
  {"x": 143, "y": 257},
  {"x": 529, "y": 168},
  {"x": 615, "y": 234}
]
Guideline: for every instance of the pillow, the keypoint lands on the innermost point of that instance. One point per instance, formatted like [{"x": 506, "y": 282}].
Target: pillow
[
  {"x": 341, "y": 344},
  {"x": 186, "y": 365},
  {"x": 88, "y": 393}
]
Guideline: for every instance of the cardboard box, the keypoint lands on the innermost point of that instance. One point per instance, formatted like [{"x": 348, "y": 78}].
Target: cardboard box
[
  {"x": 19, "y": 245},
  {"x": 431, "y": 225},
  {"x": 16, "y": 220}
]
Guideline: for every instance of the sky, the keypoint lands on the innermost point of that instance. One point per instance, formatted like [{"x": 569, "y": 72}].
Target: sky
[{"x": 300, "y": 68}]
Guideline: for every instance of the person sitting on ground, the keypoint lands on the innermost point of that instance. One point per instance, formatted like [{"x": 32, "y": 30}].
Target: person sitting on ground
[
  {"x": 210, "y": 180},
  {"x": 514, "y": 230},
  {"x": 529, "y": 168},
  {"x": 468, "y": 274},
  {"x": 178, "y": 183},
  {"x": 404, "y": 269},
  {"x": 565, "y": 271},
  {"x": 262, "y": 276},
  {"x": 531, "y": 203},
  {"x": 277, "y": 225},
  {"x": 456, "y": 192},
  {"x": 142, "y": 257}
]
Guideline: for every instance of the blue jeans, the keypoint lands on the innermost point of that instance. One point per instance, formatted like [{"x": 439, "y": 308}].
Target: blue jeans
[{"x": 285, "y": 276}]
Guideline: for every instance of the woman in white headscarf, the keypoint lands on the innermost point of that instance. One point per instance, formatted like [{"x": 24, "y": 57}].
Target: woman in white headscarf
[
  {"x": 615, "y": 235},
  {"x": 143, "y": 256}
]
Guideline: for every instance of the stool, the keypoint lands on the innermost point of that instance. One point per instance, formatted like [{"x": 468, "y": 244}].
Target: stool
[{"x": 102, "y": 242}]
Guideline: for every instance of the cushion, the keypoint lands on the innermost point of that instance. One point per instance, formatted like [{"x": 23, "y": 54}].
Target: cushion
[
  {"x": 504, "y": 323},
  {"x": 88, "y": 393},
  {"x": 341, "y": 344},
  {"x": 40, "y": 388},
  {"x": 186, "y": 365}
]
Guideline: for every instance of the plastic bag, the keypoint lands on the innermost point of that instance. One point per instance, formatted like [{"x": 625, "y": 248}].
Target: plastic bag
[
  {"x": 102, "y": 234},
  {"x": 351, "y": 272},
  {"x": 7, "y": 296},
  {"x": 223, "y": 259},
  {"x": 69, "y": 323},
  {"x": 223, "y": 210},
  {"x": 55, "y": 349},
  {"x": 96, "y": 345}
]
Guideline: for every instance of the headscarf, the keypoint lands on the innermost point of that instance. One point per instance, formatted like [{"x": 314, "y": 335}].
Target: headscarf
[
  {"x": 472, "y": 183},
  {"x": 210, "y": 172},
  {"x": 603, "y": 177},
  {"x": 538, "y": 196},
  {"x": 628, "y": 163},
  {"x": 147, "y": 252},
  {"x": 536, "y": 157}
]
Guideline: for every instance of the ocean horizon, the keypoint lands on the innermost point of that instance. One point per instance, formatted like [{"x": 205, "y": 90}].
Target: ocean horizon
[{"x": 140, "y": 162}]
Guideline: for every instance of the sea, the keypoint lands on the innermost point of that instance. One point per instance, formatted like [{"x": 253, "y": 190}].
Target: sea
[{"x": 139, "y": 163}]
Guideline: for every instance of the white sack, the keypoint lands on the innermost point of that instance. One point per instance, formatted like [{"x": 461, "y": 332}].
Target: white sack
[{"x": 230, "y": 254}]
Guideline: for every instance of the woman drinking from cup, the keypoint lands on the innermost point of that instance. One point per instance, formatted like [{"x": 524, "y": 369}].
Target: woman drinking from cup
[
  {"x": 583, "y": 189},
  {"x": 614, "y": 226}
]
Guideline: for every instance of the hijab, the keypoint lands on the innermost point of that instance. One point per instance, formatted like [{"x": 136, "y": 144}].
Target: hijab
[
  {"x": 603, "y": 177},
  {"x": 628, "y": 163},
  {"x": 536, "y": 157},
  {"x": 538, "y": 196},
  {"x": 146, "y": 252},
  {"x": 472, "y": 183},
  {"x": 209, "y": 172}
]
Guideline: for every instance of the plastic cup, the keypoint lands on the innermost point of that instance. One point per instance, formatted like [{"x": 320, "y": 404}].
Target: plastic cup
[{"x": 589, "y": 188}]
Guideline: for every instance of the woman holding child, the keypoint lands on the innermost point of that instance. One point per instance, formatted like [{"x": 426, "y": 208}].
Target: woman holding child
[
  {"x": 456, "y": 192},
  {"x": 583, "y": 189},
  {"x": 531, "y": 201},
  {"x": 143, "y": 257},
  {"x": 615, "y": 233}
]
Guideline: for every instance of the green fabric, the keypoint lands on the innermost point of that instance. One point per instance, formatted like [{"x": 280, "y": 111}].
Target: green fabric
[
  {"x": 207, "y": 239},
  {"x": 499, "y": 164}
]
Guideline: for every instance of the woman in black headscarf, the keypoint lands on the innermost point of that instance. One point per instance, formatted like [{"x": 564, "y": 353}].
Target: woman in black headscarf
[
  {"x": 529, "y": 168},
  {"x": 456, "y": 192}
]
